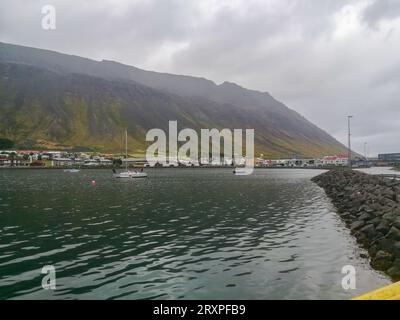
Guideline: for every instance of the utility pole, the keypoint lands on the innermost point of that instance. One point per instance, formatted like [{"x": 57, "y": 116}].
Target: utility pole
[
  {"x": 365, "y": 154},
  {"x": 365, "y": 150},
  {"x": 349, "y": 151}
]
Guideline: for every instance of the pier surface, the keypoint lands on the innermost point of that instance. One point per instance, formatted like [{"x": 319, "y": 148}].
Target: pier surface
[{"x": 391, "y": 292}]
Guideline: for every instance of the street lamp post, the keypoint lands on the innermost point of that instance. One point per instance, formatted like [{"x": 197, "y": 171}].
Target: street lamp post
[
  {"x": 366, "y": 150},
  {"x": 349, "y": 151},
  {"x": 365, "y": 154}
]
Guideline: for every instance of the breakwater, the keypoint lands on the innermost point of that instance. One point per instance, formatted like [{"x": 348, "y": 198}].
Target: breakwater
[{"x": 370, "y": 206}]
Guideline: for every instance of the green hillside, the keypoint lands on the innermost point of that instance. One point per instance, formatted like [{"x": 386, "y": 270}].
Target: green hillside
[{"x": 54, "y": 105}]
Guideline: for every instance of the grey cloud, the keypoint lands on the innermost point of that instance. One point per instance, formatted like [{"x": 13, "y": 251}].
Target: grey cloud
[{"x": 381, "y": 9}]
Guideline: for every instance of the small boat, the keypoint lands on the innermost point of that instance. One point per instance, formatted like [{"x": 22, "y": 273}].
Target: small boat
[
  {"x": 72, "y": 170},
  {"x": 127, "y": 173},
  {"x": 130, "y": 174},
  {"x": 240, "y": 171}
]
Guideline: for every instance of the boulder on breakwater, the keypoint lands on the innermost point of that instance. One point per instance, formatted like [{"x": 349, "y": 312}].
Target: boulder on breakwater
[{"x": 370, "y": 207}]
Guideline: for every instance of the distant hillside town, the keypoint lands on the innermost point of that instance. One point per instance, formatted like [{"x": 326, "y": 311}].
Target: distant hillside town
[{"x": 62, "y": 159}]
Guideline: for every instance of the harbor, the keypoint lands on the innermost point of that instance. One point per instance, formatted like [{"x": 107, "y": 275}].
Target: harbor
[
  {"x": 180, "y": 234},
  {"x": 195, "y": 156},
  {"x": 63, "y": 159}
]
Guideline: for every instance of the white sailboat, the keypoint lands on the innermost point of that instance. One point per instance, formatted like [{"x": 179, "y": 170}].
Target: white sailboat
[{"x": 127, "y": 173}]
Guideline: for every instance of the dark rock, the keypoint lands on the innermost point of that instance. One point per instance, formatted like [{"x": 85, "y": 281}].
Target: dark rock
[
  {"x": 376, "y": 221},
  {"x": 383, "y": 227},
  {"x": 368, "y": 230},
  {"x": 375, "y": 207},
  {"x": 378, "y": 237},
  {"x": 396, "y": 262},
  {"x": 361, "y": 238},
  {"x": 396, "y": 222},
  {"x": 365, "y": 216},
  {"x": 387, "y": 193},
  {"x": 390, "y": 217},
  {"x": 394, "y": 272},
  {"x": 385, "y": 244},
  {"x": 373, "y": 250},
  {"x": 396, "y": 248},
  {"x": 393, "y": 233},
  {"x": 345, "y": 214},
  {"x": 382, "y": 260},
  {"x": 357, "y": 225}
]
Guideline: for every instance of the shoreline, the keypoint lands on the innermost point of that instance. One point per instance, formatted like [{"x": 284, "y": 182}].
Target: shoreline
[
  {"x": 370, "y": 207},
  {"x": 172, "y": 167}
]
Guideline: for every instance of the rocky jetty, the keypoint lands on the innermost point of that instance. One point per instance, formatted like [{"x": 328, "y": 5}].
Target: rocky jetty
[{"x": 370, "y": 206}]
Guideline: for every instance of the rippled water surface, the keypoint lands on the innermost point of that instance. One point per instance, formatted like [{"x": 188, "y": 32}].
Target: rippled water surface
[{"x": 179, "y": 234}]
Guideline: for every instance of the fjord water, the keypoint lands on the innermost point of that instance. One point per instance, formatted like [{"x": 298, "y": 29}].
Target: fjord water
[{"x": 179, "y": 234}]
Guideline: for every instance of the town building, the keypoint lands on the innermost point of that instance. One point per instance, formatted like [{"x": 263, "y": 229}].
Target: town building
[
  {"x": 336, "y": 160},
  {"x": 389, "y": 157}
]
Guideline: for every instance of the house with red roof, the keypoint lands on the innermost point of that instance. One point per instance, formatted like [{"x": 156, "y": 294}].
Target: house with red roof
[{"x": 336, "y": 160}]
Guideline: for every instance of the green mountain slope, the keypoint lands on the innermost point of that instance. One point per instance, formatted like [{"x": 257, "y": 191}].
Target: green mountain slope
[{"x": 54, "y": 100}]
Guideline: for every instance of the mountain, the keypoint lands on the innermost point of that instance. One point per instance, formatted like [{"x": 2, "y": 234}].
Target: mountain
[{"x": 54, "y": 100}]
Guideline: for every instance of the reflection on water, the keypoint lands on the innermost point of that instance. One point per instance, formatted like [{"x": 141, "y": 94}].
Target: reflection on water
[{"x": 181, "y": 233}]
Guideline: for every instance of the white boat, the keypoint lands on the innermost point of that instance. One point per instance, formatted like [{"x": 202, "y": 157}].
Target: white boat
[
  {"x": 127, "y": 173},
  {"x": 131, "y": 174},
  {"x": 240, "y": 171},
  {"x": 72, "y": 170}
]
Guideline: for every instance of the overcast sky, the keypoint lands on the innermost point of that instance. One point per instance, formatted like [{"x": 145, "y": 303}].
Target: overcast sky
[{"x": 324, "y": 58}]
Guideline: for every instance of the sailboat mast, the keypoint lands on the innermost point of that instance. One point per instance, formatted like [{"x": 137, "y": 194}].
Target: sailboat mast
[{"x": 126, "y": 150}]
